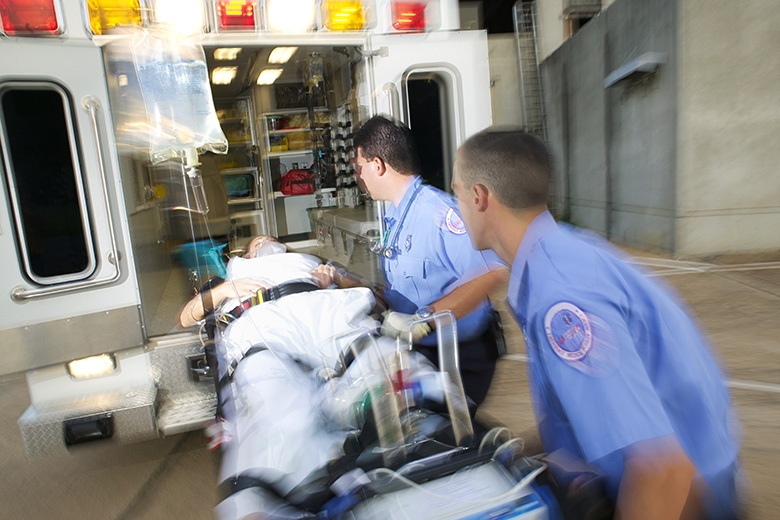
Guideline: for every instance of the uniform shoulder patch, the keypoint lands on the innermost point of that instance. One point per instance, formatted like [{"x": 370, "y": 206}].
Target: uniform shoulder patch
[
  {"x": 454, "y": 222},
  {"x": 569, "y": 331}
]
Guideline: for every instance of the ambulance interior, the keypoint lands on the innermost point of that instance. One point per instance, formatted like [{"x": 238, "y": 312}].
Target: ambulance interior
[{"x": 268, "y": 128}]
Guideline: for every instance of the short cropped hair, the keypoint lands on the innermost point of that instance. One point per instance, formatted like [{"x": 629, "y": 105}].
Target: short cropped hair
[
  {"x": 389, "y": 140},
  {"x": 513, "y": 164}
]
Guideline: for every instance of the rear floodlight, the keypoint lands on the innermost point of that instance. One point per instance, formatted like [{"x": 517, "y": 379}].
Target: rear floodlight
[
  {"x": 236, "y": 15},
  {"x": 290, "y": 16},
  {"x": 223, "y": 75},
  {"x": 268, "y": 76},
  {"x": 105, "y": 15},
  {"x": 186, "y": 16},
  {"x": 409, "y": 15},
  {"x": 343, "y": 15},
  {"x": 281, "y": 54},
  {"x": 29, "y": 18},
  {"x": 227, "y": 53},
  {"x": 95, "y": 366}
]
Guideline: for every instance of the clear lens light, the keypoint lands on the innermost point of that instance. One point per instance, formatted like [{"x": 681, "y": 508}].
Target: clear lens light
[
  {"x": 186, "y": 16},
  {"x": 92, "y": 366},
  {"x": 227, "y": 53},
  {"x": 223, "y": 75},
  {"x": 291, "y": 16},
  {"x": 281, "y": 54},
  {"x": 268, "y": 76}
]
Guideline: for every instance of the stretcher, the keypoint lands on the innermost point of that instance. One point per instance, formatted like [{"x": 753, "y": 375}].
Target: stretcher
[{"x": 322, "y": 417}]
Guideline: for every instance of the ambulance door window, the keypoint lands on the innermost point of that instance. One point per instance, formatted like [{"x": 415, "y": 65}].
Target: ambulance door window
[
  {"x": 43, "y": 174},
  {"x": 430, "y": 107}
]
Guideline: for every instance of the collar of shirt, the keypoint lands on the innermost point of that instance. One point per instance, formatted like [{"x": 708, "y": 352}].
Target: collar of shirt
[
  {"x": 407, "y": 189},
  {"x": 540, "y": 226}
]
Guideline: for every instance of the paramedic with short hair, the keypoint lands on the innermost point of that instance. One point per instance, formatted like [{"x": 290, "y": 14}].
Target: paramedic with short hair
[
  {"x": 621, "y": 380},
  {"x": 428, "y": 261}
]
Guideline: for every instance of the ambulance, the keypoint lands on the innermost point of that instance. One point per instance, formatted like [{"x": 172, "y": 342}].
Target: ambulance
[{"x": 112, "y": 214}]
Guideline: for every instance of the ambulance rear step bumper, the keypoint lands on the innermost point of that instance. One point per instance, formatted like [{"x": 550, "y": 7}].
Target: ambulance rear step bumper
[
  {"x": 186, "y": 412},
  {"x": 126, "y": 417}
]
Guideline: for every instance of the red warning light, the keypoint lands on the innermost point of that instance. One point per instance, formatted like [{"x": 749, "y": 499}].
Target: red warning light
[
  {"x": 409, "y": 16},
  {"x": 236, "y": 14},
  {"x": 29, "y": 17}
]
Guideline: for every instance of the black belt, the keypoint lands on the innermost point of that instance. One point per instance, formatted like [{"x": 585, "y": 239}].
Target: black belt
[{"x": 274, "y": 293}]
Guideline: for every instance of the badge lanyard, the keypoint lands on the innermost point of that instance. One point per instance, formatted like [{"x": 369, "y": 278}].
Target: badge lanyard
[{"x": 381, "y": 248}]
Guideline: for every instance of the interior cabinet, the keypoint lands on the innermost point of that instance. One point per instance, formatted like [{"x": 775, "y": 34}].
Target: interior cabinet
[{"x": 291, "y": 142}]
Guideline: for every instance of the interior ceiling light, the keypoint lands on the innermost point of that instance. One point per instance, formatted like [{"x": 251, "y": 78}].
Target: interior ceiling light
[
  {"x": 186, "y": 16},
  {"x": 227, "y": 53},
  {"x": 223, "y": 75},
  {"x": 268, "y": 76},
  {"x": 281, "y": 54},
  {"x": 290, "y": 16}
]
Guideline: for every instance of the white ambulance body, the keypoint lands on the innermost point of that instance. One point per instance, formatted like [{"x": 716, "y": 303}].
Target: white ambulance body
[{"x": 101, "y": 245}]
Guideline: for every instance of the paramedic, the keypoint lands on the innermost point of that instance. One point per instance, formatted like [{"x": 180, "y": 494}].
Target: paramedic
[
  {"x": 243, "y": 280},
  {"x": 622, "y": 381},
  {"x": 428, "y": 261}
]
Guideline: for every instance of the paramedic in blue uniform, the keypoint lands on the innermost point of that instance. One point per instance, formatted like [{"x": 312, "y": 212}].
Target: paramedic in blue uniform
[
  {"x": 428, "y": 261},
  {"x": 623, "y": 383}
]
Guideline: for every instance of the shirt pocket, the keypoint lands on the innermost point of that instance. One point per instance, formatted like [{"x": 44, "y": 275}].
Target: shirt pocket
[{"x": 412, "y": 275}]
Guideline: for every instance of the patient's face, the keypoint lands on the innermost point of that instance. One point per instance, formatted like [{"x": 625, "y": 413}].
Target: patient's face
[{"x": 256, "y": 243}]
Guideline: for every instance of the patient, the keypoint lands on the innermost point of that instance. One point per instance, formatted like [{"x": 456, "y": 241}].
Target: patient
[{"x": 244, "y": 280}]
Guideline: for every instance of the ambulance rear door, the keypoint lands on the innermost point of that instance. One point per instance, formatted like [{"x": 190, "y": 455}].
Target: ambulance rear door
[
  {"x": 67, "y": 280},
  {"x": 439, "y": 84}
]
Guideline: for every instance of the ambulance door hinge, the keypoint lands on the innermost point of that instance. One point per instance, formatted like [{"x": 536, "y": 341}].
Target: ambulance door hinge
[{"x": 381, "y": 52}]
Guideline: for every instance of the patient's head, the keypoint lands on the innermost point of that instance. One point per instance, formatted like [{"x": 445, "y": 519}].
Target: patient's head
[{"x": 263, "y": 245}]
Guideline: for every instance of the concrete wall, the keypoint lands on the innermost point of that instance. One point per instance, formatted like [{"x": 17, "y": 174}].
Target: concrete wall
[
  {"x": 614, "y": 149},
  {"x": 729, "y": 127}
]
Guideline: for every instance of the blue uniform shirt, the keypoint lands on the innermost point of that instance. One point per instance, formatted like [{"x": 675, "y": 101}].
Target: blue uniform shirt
[
  {"x": 433, "y": 256},
  {"x": 614, "y": 360}
]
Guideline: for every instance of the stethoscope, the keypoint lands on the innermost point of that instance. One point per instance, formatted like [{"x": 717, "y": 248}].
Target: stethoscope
[{"x": 389, "y": 251}]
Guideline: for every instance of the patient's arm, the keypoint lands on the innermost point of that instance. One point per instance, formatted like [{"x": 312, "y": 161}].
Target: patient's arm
[
  {"x": 205, "y": 302},
  {"x": 325, "y": 275}
]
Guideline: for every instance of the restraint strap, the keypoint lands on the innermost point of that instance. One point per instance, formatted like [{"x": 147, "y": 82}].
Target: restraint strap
[
  {"x": 234, "y": 364},
  {"x": 274, "y": 293}
]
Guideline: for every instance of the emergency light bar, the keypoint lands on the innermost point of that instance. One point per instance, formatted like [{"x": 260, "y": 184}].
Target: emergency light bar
[
  {"x": 409, "y": 15},
  {"x": 290, "y": 16},
  {"x": 186, "y": 16},
  {"x": 343, "y": 15},
  {"x": 29, "y": 18},
  {"x": 105, "y": 15},
  {"x": 44, "y": 17},
  {"x": 236, "y": 15}
]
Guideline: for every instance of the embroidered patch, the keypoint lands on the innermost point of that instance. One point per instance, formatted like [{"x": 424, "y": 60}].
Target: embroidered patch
[
  {"x": 568, "y": 331},
  {"x": 454, "y": 222}
]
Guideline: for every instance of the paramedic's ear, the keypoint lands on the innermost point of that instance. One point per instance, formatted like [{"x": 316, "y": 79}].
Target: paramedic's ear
[
  {"x": 380, "y": 166},
  {"x": 479, "y": 194}
]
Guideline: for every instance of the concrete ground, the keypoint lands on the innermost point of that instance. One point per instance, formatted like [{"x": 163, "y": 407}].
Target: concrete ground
[{"x": 736, "y": 299}]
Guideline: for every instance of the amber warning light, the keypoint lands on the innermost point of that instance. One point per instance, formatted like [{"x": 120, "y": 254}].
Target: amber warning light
[{"x": 29, "y": 17}]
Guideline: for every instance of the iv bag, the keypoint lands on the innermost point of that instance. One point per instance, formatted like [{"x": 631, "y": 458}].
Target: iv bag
[{"x": 164, "y": 93}]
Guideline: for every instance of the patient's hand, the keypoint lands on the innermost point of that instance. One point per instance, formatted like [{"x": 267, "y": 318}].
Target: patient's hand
[{"x": 324, "y": 275}]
